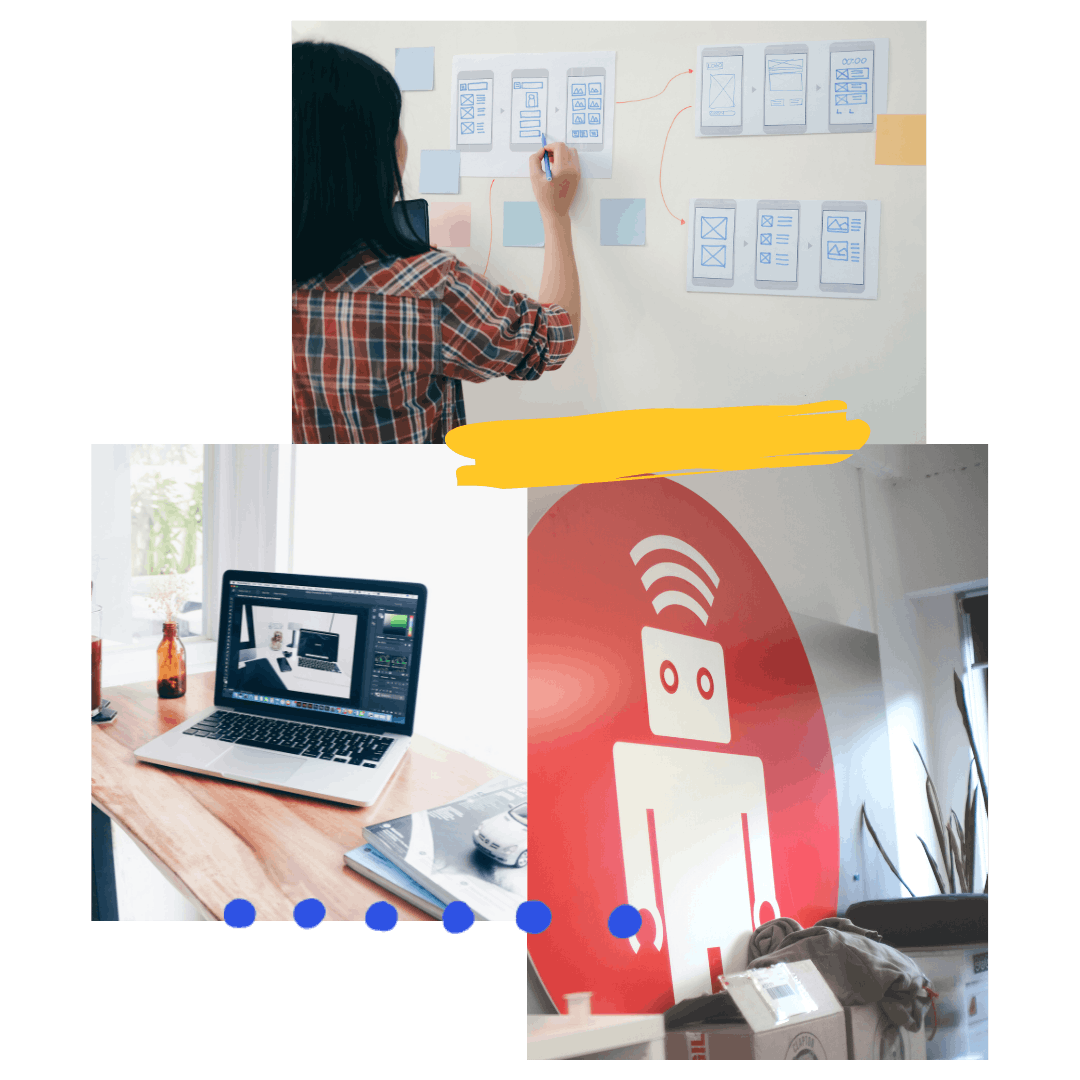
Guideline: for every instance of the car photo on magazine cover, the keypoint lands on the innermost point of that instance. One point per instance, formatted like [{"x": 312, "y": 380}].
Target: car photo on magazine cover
[{"x": 505, "y": 837}]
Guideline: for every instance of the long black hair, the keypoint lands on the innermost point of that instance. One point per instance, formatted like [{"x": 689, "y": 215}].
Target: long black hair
[{"x": 346, "y": 113}]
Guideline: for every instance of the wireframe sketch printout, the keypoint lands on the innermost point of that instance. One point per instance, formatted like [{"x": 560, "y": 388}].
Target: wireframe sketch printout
[
  {"x": 721, "y": 90},
  {"x": 811, "y": 247},
  {"x": 789, "y": 91},
  {"x": 852, "y": 87},
  {"x": 785, "y": 88},
  {"x": 473, "y": 111},
  {"x": 777, "y": 244},
  {"x": 585, "y": 103},
  {"x": 564, "y": 97},
  {"x": 528, "y": 106},
  {"x": 843, "y": 243},
  {"x": 714, "y": 231}
]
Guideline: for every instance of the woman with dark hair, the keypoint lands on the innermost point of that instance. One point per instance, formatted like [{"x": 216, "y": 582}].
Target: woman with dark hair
[{"x": 385, "y": 327}]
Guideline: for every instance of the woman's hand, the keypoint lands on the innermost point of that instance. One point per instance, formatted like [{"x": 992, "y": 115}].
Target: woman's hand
[
  {"x": 555, "y": 195},
  {"x": 559, "y": 281}
]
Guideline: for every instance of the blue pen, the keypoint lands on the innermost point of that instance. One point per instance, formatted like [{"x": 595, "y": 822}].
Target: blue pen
[{"x": 547, "y": 167}]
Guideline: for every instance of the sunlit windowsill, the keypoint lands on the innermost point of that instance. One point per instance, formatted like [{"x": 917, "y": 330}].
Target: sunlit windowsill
[{"x": 122, "y": 664}]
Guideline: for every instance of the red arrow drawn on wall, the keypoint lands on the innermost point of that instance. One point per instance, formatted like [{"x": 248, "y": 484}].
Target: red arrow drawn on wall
[
  {"x": 681, "y": 221},
  {"x": 688, "y": 71}
]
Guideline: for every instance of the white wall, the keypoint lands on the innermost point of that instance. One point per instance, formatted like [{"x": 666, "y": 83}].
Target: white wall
[
  {"x": 942, "y": 516},
  {"x": 646, "y": 342},
  {"x": 926, "y": 513},
  {"x": 395, "y": 512},
  {"x": 847, "y": 671}
]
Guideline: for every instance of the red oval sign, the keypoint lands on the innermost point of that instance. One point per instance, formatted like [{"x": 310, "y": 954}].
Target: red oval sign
[{"x": 678, "y": 755}]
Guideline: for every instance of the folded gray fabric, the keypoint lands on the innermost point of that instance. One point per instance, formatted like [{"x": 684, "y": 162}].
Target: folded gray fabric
[
  {"x": 859, "y": 970},
  {"x": 848, "y": 927},
  {"x": 769, "y": 936}
]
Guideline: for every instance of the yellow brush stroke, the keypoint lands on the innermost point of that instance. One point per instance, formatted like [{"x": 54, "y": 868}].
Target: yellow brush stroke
[
  {"x": 901, "y": 139},
  {"x": 654, "y": 442}
]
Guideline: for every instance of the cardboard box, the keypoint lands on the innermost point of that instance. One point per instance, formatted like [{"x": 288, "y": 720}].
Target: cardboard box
[
  {"x": 960, "y": 975},
  {"x": 788, "y": 1011},
  {"x": 872, "y": 1036}
]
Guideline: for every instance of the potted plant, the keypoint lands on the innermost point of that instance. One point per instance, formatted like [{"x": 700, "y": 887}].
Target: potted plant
[{"x": 955, "y": 839}]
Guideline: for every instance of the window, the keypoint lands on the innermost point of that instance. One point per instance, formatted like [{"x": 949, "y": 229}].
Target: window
[
  {"x": 166, "y": 534},
  {"x": 186, "y": 508},
  {"x": 973, "y": 623}
]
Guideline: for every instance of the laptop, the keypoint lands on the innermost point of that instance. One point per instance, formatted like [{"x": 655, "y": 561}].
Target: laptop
[
  {"x": 336, "y": 728},
  {"x": 316, "y": 658}
]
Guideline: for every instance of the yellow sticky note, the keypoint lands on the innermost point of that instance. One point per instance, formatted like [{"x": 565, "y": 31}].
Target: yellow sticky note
[{"x": 901, "y": 139}]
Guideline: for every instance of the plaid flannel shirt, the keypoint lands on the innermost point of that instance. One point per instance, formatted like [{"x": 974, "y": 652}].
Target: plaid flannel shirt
[{"x": 380, "y": 347}]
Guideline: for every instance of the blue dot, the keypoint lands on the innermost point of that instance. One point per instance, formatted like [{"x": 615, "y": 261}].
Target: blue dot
[
  {"x": 309, "y": 913},
  {"x": 239, "y": 912},
  {"x": 533, "y": 916},
  {"x": 624, "y": 921},
  {"x": 457, "y": 917},
  {"x": 381, "y": 916}
]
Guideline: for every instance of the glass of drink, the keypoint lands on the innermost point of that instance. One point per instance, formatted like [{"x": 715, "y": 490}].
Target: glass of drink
[{"x": 95, "y": 659}]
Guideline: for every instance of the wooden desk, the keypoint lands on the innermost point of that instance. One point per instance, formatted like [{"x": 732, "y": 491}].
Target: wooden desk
[{"x": 216, "y": 840}]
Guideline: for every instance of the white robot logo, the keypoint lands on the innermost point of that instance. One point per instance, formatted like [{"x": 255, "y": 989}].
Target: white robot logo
[{"x": 694, "y": 824}]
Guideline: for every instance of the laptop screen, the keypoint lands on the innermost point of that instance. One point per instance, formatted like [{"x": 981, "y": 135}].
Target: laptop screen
[
  {"x": 297, "y": 644},
  {"x": 316, "y": 646}
]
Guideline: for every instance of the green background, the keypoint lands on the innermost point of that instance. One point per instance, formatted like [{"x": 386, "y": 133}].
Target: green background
[{"x": 147, "y": 268}]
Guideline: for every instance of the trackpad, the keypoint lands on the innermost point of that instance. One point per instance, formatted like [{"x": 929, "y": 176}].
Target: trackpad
[{"x": 256, "y": 764}]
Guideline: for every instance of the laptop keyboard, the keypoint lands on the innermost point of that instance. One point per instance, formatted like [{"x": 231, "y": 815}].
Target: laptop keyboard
[
  {"x": 318, "y": 665},
  {"x": 305, "y": 740}
]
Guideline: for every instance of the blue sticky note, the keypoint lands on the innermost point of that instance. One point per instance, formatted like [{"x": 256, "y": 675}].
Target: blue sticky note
[
  {"x": 622, "y": 222},
  {"x": 414, "y": 69},
  {"x": 522, "y": 225},
  {"x": 439, "y": 172}
]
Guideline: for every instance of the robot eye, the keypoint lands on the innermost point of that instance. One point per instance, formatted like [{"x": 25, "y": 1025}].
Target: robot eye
[
  {"x": 669, "y": 677},
  {"x": 705, "y": 683}
]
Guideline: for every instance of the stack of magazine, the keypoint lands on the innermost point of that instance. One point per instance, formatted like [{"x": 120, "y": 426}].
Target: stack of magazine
[{"x": 473, "y": 849}]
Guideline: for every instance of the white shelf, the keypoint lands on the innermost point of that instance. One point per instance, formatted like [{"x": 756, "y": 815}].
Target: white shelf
[{"x": 571, "y": 1036}]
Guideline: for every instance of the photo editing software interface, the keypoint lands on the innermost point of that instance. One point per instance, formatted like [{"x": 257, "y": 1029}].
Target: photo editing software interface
[{"x": 346, "y": 652}]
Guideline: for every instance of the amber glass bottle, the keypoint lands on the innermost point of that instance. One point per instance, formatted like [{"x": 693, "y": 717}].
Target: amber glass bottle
[
  {"x": 95, "y": 659},
  {"x": 171, "y": 664}
]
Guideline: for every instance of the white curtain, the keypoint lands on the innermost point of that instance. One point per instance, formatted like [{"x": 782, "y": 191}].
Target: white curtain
[
  {"x": 110, "y": 538},
  {"x": 240, "y": 517}
]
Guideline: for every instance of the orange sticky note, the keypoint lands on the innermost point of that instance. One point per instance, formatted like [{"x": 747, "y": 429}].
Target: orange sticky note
[
  {"x": 901, "y": 139},
  {"x": 450, "y": 224}
]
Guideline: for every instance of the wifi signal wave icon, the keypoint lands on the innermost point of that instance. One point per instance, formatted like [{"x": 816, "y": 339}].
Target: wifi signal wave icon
[{"x": 676, "y": 570}]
